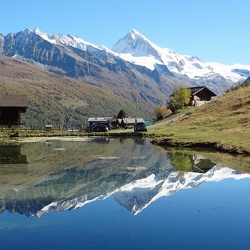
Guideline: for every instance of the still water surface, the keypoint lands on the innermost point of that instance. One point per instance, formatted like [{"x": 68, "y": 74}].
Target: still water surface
[{"x": 101, "y": 193}]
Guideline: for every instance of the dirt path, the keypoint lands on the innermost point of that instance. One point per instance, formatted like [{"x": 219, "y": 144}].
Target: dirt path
[{"x": 159, "y": 124}]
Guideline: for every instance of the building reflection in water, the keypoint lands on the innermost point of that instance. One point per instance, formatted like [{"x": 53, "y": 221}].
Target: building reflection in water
[{"x": 11, "y": 154}]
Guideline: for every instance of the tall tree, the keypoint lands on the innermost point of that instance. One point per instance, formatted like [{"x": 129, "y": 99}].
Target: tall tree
[{"x": 180, "y": 98}]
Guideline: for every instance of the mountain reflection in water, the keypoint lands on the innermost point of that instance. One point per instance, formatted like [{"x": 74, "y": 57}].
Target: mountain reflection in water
[{"x": 56, "y": 174}]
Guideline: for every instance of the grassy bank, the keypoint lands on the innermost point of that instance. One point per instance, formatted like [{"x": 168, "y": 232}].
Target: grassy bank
[{"x": 223, "y": 124}]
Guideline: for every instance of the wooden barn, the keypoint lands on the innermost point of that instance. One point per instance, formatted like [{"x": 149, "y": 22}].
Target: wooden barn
[
  {"x": 200, "y": 95},
  {"x": 11, "y": 107}
]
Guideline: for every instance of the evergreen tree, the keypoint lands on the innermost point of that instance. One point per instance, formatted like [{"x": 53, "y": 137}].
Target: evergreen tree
[{"x": 121, "y": 114}]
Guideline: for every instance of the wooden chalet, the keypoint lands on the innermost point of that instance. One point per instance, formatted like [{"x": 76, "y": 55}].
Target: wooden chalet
[
  {"x": 108, "y": 121},
  {"x": 200, "y": 95},
  {"x": 11, "y": 107},
  {"x": 96, "y": 120},
  {"x": 113, "y": 122},
  {"x": 130, "y": 121}
]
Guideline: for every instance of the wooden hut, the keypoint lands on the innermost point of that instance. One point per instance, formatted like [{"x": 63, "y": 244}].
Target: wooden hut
[
  {"x": 201, "y": 94},
  {"x": 11, "y": 107}
]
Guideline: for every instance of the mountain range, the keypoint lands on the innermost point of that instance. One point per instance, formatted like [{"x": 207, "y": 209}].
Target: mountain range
[{"x": 135, "y": 69}]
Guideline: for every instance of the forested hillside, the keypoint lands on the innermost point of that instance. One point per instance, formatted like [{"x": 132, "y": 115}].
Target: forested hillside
[{"x": 63, "y": 101}]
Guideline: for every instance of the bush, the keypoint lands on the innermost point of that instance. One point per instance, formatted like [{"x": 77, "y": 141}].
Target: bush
[{"x": 161, "y": 112}]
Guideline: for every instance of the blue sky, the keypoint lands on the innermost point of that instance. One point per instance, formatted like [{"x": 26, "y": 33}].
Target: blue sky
[{"x": 213, "y": 30}]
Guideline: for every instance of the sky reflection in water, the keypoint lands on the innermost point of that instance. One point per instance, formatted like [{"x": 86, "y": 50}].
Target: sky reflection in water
[{"x": 213, "y": 215}]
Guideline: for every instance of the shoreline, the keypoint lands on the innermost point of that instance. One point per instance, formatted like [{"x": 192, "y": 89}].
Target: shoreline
[
  {"x": 217, "y": 146},
  {"x": 159, "y": 140}
]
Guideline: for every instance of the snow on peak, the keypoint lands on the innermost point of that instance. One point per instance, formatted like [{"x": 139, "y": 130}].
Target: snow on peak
[
  {"x": 67, "y": 40},
  {"x": 135, "y": 44},
  {"x": 135, "y": 35},
  {"x": 37, "y": 31},
  {"x": 137, "y": 49},
  {"x": 59, "y": 39}
]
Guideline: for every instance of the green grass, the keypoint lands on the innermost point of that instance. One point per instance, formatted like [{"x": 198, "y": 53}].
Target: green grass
[{"x": 225, "y": 120}]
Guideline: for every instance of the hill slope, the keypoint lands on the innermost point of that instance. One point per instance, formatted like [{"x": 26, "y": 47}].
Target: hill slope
[
  {"x": 224, "y": 124},
  {"x": 61, "y": 100}
]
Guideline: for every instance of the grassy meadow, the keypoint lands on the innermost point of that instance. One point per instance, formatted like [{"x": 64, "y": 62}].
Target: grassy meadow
[{"x": 224, "y": 122}]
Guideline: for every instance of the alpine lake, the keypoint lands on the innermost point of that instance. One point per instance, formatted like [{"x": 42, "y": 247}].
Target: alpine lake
[{"x": 121, "y": 193}]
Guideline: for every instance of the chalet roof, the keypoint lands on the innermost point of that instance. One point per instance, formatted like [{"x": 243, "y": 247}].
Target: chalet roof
[
  {"x": 195, "y": 90},
  {"x": 99, "y": 119},
  {"x": 131, "y": 120},
  {"x": 13, "y": 101}
]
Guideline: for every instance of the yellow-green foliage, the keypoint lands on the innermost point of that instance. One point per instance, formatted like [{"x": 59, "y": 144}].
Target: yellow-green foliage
[{"x": 180, "y": 98}]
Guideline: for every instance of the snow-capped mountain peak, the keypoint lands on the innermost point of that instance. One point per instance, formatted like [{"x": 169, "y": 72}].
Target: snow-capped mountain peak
[
  {"x": 134, "y": 33},
  {"x": 137, "y": 45},
  {"x": 138, "y": 38},
  {"x": 37, "y": 31},
  {"x": 137, "y": 49}
]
